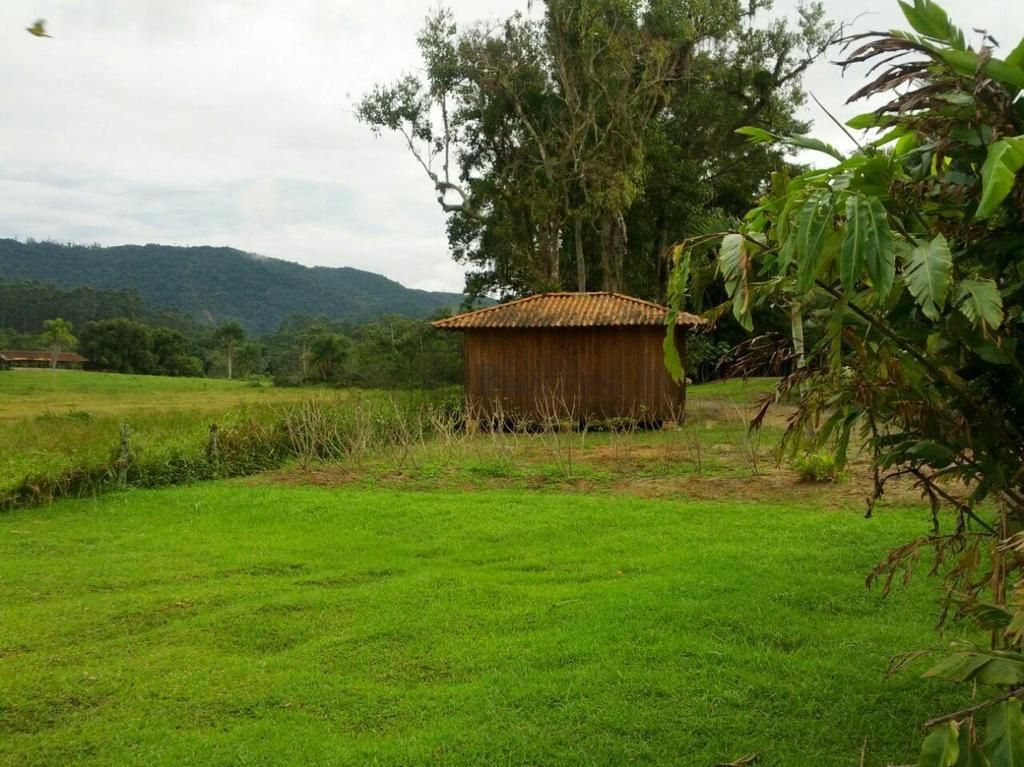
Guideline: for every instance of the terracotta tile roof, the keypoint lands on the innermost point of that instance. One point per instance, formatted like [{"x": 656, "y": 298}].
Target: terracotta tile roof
[
  {"x": 12, "y": 355},
  {"x": 566, "y": 310}
]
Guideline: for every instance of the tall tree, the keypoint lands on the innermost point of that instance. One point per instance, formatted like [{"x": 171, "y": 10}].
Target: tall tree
[
  {"x": 175, "y": 354},
  {"x": 58, "y": 338},
  {"x": 699, "y": 172},
  {"x": 249, "y": 358},
  {"x": 535, "y": 133},
  {"x": 120, "y": 345},
  {"x": 229, "y": 336}
]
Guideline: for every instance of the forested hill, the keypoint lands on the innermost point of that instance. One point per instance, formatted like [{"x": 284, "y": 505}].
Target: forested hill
[{"x": 215, "y": 284}]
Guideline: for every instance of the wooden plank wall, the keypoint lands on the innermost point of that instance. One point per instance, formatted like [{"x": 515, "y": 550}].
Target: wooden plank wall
[{"x": 572, "y": 373}]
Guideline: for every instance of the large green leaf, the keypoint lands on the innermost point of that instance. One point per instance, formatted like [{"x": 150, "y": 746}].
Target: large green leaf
[
  {"x": 989, "y": 617},
  {"x": 982, "y": 666},
  {"x": 929, "y": 19},
  {"x": 757, "y": 135},
  {"x": 866, "y": 120},
  {"x": 971, "y": 754},
  {"x": 980, "y": 302},
  {"x": 998, "y": 174},
  {"x": 932, "y": 453},
  {"x": 959, "y": 667},
  {"x": 941, "y": 748},
  {"x": 734, "y": 262},
  {"x": 1002, "y": 671},
  {"x": 806, "y": 142},
  {"x": 879, "y": 250},
  {"x": 863, "y": 121},
  {"x": 1004, "y": 735},
  {"x": 677, "y": 287},
  {"x": 856, "y": 243},
  {"x": 815, "y": 224},
  {"x": 968, "y": 63},
  {"x": 761, "y": 136},
  {"x": 673, "y": 361},
  {"x": 867, "y": 241},
  {"x": 1016, "y": 57},
  {"x": 927, "y": 275}
]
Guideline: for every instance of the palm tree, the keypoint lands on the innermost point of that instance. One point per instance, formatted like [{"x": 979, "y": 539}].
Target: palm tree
[{"x": 327, "y": 354}]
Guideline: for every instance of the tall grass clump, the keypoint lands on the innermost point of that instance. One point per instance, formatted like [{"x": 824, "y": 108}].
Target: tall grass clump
[
  {"x": 248, "y": 441},
  {"x": 322, "y": 429}
]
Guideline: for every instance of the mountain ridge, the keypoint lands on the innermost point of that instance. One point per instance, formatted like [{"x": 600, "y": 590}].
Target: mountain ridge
[{"x": 213, "y": 284}]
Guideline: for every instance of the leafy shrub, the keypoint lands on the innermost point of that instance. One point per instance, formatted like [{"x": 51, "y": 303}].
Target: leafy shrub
[
  {"x": 820, "y": 466},
  {"x": 703, "y": 352}
]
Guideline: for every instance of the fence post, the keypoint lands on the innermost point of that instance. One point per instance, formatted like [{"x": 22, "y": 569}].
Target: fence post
[
  {"x": 124, "y": 457},
  {"x": 211, "y": 445}
]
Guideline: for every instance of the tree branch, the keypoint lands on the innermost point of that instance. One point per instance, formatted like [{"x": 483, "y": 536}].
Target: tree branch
[{"x": 973, "y": 709}]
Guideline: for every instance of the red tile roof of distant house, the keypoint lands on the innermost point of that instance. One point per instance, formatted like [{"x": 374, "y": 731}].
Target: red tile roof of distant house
[{"x": 12, "y": 355}]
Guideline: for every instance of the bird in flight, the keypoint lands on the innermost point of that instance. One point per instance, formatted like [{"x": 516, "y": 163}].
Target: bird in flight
[{"x": 38, "y": 29}]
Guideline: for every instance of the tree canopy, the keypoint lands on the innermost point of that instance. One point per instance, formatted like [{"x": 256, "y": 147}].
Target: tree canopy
[
  {"x": 569, "y": 150},
  {"x": 58, "y": 338}
]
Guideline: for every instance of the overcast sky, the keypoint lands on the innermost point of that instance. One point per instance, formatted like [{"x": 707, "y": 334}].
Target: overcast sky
[{"x": 229, "y": 122}]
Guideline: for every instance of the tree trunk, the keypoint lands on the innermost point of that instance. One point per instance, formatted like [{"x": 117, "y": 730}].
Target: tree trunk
[
  {"x": 547, "y": 256},
  {"x": 663, "y": 266},
  {"x": 231, "y": 354},
  {"x": 553, "y": 251},
  {"x": 796, "y": 325},
  {"x": 613, "y": 246},
  {"x": 581, "y": 264},
  {"x": 606, "y": 254}
]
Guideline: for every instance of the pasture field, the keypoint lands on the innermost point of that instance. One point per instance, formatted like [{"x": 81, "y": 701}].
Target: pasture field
[
  {"x": 50, "y": 422},
  {"x": 30, "y": 393},
  {"x": 228, "y": 623},
  {"x": 53, "y": 420}
]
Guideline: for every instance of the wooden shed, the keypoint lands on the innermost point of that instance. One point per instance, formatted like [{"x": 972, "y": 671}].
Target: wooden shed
[{"x": 582, "y": 356}]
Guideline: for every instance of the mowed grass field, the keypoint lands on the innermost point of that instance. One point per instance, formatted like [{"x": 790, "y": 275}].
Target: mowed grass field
[
  {"x": 254, "y": 625},
  {"x": 654, "y": 598}
]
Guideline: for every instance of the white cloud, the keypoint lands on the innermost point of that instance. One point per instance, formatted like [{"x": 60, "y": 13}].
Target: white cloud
[{"x": 229, "y": 123}]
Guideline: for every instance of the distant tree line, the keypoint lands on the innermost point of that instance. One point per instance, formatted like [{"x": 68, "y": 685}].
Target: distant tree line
[
  {"x": 117, "y": 332},
  {"x": 392, "y": 352},
  {"x": 24, "y": 306}
]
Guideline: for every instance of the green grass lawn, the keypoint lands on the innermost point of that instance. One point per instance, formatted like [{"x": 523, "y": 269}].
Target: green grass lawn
[{"x": 242, "y": 624}]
